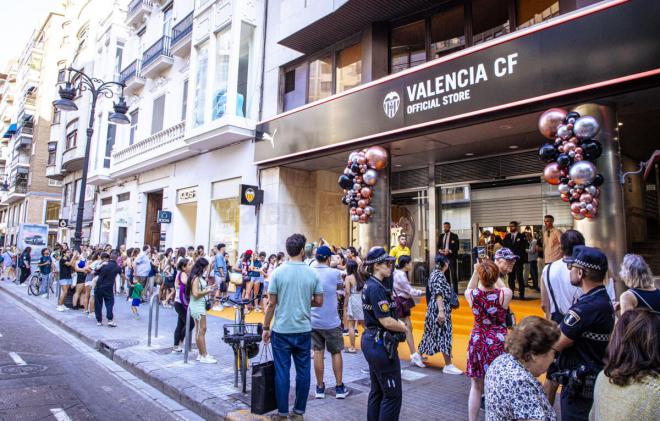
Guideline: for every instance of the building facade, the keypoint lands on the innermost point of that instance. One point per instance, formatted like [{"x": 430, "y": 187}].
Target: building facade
[
  {"x": 453, "y": 91},
  {"x": 30, "y": 196}
]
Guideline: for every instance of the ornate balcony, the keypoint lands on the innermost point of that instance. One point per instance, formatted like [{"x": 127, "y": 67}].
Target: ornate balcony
[
  {"x": 72, "y": 158},
  {"x": 138, "y": 10},
  {"x": 157, "y": 58},
  {"x": 54, "y": 173},
  {"x": 17, "y": 191},
  {"x": 181, "y": 36},
  {"x": 132, "y": 77}
]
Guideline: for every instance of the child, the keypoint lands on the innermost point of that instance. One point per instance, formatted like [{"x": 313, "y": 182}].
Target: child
[{"x": 137, "y": 293}]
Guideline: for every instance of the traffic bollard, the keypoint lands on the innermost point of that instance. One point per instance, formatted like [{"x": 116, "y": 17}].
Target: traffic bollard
[
  {"x": 151, "y": 313},
  {"x": 187, "y": 338}
]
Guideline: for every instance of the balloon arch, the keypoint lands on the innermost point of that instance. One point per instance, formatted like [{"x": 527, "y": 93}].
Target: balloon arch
[{"x": 359, "y": 179}]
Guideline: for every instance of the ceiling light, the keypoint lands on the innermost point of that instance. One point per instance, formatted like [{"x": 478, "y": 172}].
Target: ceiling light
[
  {"x": 620, "y": 123},
  {"x": 513, "y": 147},
  {"x": 469, "y": 154}
]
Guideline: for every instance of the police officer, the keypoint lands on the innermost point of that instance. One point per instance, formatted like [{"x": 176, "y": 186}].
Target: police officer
[
  {"x": 380, "y": 339},
  {"x": 585, "y": 333}
]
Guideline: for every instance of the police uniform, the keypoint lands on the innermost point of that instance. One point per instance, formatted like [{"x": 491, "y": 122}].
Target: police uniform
[
  {"x": 385, "y": 395},
  {"x": 588, "y": 323}
]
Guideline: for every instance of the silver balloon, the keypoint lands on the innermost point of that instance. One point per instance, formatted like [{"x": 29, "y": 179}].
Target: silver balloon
[
  {"x": 369, "y": 210},
  {"x": 590, "y": 207},
  {"x": 370, "y": 177},
  {"x": 592, "y": 190},
  {"x": 583, "y": 172},
  {"x": 356, "y": 187},
  {"x": 564, "y": 132},
  {"x": 586, "y": 127},
  {"x": 563, "y": 188},
  {"x": 355, "y": 218}
]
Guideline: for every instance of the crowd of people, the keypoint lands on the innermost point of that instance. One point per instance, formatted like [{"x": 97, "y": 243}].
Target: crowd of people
[{"x": 316, "y": 294}]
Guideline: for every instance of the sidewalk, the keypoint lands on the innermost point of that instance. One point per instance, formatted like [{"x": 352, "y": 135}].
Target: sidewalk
[{"x": 208, "y": 390}]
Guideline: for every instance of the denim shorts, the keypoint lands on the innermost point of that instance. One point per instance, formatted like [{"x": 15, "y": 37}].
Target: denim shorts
[{"x": 68, "y": 281}]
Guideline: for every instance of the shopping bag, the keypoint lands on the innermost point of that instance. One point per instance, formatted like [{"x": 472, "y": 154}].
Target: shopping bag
[{"x": 263, "y": 385}]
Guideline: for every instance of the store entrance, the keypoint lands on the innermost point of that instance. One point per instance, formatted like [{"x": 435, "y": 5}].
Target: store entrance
[
  {"x": 151, "y": 225},
  {"x": 409, "y": 217}
]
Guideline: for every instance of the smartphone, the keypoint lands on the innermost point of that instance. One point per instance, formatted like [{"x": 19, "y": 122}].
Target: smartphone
[{"x": 481, "y": 252}]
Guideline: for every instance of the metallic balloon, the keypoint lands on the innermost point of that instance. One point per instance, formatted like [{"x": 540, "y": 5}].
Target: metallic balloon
[
  {"x": 592, "y": 149},
  {"x": 548, "y": 152},
  {"x": 598, "y": 180},
  {"x": 550, "y": 121},
  {"x": 368, "y": 210},
  {"x": 345, "y": 182},
  {"x": 353, "y": 211},
  {"x": 577, "y": 216},
  {"x": 564, "y": 132},
  {"x": 359, "y": 211},
  {"x": 590, "y": 207},
  {"x": 370, "y": 177},
  {"x": 365, "y": 192},
  {"x": 574, "y": 115},
  {"x": 551, "y": 173},
  {"x": 575, "y": 207},
  {"x": 563, "y": 160},
  {"x": 592, "y": 190},
  {"x": 564, "y": 197},
  {"x": 362, "y": 159},
  {"x": 357, "y": 187},
  {"x": 569, "y": 147},
  {"x": 377, "y": 157},
  {"x": 586, "y": 127},
  {"x": 563, "y": 188},
  {"x": 578, "y": 157},
  {"x": 583, "y": 172},
  {"x": 355, "y": 218},
  {"x": 352, "y": 157},
  {"x": 362, "y": 203},
  {"x": 363, "y": 218}
]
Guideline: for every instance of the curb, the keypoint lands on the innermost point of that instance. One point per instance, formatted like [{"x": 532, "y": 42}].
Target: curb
[{"x": 183, "y": 392}]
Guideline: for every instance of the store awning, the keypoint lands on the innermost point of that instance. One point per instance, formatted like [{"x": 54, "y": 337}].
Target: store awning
[{"x": 13, "y": 127}]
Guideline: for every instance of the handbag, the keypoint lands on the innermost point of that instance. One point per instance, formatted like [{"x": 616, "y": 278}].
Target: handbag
[
  {"x": 263, "y": 385},
  {"x": 236, "y": 279},
  {"x": 454, "y": 303},
  {"x": 556, "y": 316},
  {"x": 403, "y": 305}
]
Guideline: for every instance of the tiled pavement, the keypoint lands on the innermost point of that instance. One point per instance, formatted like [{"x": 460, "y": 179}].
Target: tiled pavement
[{"x": 209, "y": 389}]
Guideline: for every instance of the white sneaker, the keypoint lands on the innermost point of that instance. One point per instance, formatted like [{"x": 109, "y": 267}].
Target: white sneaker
[
  {"x": 417, "y": 360},
  {"x": 60, "y": 308},
  {"x": 199, "y": 357},
  {"x": 112, "y": 323},
  {"x": 451, "y": 369},
  {"x": 177, "y": 349},
  {"x": 99, "y": 324},
  {"x": 218, "y": 308},
  {"x": 208, "y": 360}
]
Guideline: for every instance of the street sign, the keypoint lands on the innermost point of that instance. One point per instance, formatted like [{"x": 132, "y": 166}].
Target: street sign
[
  {"x": 63, "y": 223},
  {"x": 164, "y": 217},
  {"x": 251, "y": 195}
]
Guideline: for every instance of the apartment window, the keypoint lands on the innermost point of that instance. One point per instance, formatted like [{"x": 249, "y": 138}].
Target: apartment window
[
  {"x": 134, "y": 126},
  {"x": 408, "y": 46},
  {"x": 244, "y": 83},
  {"x": 106, "y": 201},
  {"x": 320, "y": 78},
  {"x": 490, "y": 19},
  {"x": 531, "y": 12},
  {"x": 119, "y": 54},
  {"x": 76, "y": 190},
  {"x": 61, "y": 75},
  {"x": 56, "y": 116},
  {"x": 109, "y": 144},
  {"x": 295, "y": 87},
  {"x": 167, "y": 20},
  {"x": 184, "y": 100},
  {"x": 54, "y": 183},
  {"x": 52, "y": 153},
  {"x": 200, "y": 89},
  {"x": 52, "y": 211},
  {"x": 223, "y": 48},
  {"x": 157, "y": 114},
  {"x": 447, "y": 31},
  {"x": 72, "y": 134},
  {"x": 66, "y": 196},
  {"x": 123, "y": 197},
  {"x": 349, "y": 67}
]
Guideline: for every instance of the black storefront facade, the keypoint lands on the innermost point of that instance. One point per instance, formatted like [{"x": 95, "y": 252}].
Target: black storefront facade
[{"x": 461, "y": 130}]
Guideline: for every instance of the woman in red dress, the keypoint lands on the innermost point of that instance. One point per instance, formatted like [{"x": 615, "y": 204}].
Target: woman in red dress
[{"x": 489, "y": 302}]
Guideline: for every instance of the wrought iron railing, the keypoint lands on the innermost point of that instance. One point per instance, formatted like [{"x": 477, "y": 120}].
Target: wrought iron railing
[
  {"x": 159, "y": 48},
  {"x": 132, "y": 70},
  {"x": 134, "y": 5},
  {"x": 182, "y": 28}
]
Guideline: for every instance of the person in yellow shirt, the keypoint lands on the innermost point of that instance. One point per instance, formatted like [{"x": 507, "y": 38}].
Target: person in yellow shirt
[{"x": 400, "y": 249}]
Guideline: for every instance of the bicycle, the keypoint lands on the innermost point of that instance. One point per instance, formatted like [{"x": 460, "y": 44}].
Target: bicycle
[
  {"x": 34, "y": 283},
  {"x": 243, "y": 338}
]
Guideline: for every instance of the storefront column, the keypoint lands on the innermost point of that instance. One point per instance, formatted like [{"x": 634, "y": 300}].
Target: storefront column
[
  {"x": 377, "y": 231},
  {"x": 433, "y": 219},
  {"x": 608, "y": 230}
]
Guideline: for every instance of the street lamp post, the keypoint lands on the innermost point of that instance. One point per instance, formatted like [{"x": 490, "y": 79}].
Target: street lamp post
[{"x": 97, "y": 88}]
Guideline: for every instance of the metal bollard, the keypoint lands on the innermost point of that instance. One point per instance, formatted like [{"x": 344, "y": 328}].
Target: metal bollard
[
  {"x": 59, "y": 291},
  {"x": 157, "y": 313},
  {"x": 187, "y": 339},
  {"x": 151, "y": 312}
]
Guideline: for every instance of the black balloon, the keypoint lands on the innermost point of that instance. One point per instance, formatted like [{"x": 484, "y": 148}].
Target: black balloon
[
  {"x": 570, "y": 115},
  {"x": 353, "y": 204},
  {"x": 355, "y": 168},
  {"x": 345, "y": 182},
  {"x": 564, "y": 180},
  {"x": 563, "y": 160},
  {"x": 592, "y": 150},
  {"x": 598, "y": 180},
  {"x": 547, "y": 152}
]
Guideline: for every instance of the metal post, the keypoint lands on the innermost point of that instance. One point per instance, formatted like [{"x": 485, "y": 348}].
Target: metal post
[
  {"x": 151, "y": 312},
  {"x": 59, "y": 291},
  {"x": 157, "y": 313},
  {"x": 187, "y": 338}
]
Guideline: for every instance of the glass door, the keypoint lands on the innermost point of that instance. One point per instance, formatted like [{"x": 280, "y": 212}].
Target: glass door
[{"x": 410, "y": 213}]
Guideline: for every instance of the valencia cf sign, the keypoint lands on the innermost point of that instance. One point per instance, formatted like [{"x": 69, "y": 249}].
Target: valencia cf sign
[{"x": 251, "y": 195}]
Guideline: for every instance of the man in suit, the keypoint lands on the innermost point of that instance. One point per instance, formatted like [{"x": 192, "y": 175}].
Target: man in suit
[
  {"x": 448, "y": 245},
  {"x": 517, "y": 243}
]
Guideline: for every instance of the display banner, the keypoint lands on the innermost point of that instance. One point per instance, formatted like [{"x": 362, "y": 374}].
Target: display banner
[
  {"x": 34, "y": 236},
  {"x": 605, "y": 44}
]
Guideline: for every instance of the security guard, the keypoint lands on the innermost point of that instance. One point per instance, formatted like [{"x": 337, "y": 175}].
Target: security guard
[
  {"x": 381, "y": 337},
  {"x": 585, "y": 333}
]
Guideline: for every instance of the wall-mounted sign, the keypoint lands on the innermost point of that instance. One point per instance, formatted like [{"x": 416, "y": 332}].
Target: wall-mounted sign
[
  {"x": 164, "y": 217},
  {"x": 251, "y": 195},
  {"x": 187, "y": 195},
  {"x": 63, "y": 223}
]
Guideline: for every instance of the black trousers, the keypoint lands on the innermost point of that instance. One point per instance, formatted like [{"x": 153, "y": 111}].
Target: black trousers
[
  {"x": 385, "y": 396},
  {"x": 517, "y": 275},
  {"x": 574, "y": 408},
  {"x": 180, "y": 329},
  {"x": 24, "y": 274},
  {"x": 452, "y": 274},
  {"x": 103, "y": 294}
]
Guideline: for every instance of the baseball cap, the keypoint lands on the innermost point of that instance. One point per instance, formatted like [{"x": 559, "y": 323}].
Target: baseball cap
[
  {"x": 588, "y": 258},
  {"x": 378, "y": 255},
  {"x": 324, "y": 252},
  {"x": 506, "y": 254},
  {"x": 248, "y": 252}
]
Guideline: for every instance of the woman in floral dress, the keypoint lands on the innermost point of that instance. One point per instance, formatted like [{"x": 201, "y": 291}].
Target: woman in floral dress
[{"x": 489, "y": 305}]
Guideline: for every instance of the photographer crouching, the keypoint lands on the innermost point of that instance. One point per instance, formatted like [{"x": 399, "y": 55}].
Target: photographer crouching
[
  {"x": 381, "y": 338},
  {"x": 585, "y": 333}
]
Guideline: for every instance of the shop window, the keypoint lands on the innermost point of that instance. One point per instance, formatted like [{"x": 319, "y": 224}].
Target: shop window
[
  {"x": 223, "y": 49},
  {"x": 447, "y": 31},
  {"x": 295, "y": 87},
  {"x": 135, "y": 114},
  {"x": 52, "y": 211},
  {"x": 123, "y": 197},
  {"x": 104, "y": 235},
  {"x": 490, "y": 19},
  {"x": 225, "y": 223},
  {"x": 408, "y": 46},
  {"x": 109, "y": 144},
  {"x": 158, "y": 114},
  {"x": 320, "y": 78},
  {"x": 531, "y": 12},
  {"x": 200, "y": 88},
  {"x": 349, "y": 67},
  {"x": 244, "y": 83}
]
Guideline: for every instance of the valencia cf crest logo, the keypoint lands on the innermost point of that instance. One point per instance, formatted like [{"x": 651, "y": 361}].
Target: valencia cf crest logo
[
  {"x": 250, "y": 195},
  {"x": 391, "y": 104}
]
